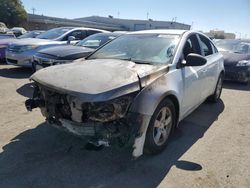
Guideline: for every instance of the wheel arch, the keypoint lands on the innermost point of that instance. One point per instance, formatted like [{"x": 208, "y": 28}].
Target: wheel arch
[{"x": 174, "y": 99}]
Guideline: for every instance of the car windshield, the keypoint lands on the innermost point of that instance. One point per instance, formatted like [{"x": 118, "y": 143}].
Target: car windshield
[
  {"x": 53, "y": 33},
  {"x": 235, "y": 46},
  {"x": 31, "y": 34},
  {"x": 140, "y": 48},
  {"x": 94, "y": 41}
]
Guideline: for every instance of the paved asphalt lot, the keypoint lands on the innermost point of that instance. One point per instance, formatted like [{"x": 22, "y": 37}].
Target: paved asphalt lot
[{"x": 210, "y": 149}]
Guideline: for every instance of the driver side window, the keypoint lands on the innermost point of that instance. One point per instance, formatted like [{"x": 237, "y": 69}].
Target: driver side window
[{"x": 191, "y": 46}]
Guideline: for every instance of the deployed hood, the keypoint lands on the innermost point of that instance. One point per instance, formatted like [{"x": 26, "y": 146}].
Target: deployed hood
[
  {"x": 35, "y": 41},
  {"x": 66, "y": 52},
  {"x": 98, "y": 80},
  {"x": 231, "y": 58}
]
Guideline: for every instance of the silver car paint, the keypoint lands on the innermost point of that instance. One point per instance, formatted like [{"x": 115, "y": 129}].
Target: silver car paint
[{"x": 180, "y": 83}]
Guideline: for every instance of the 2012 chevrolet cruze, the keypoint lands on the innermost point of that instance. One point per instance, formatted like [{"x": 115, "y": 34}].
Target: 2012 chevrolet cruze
[{"x": 132, "y": 91}]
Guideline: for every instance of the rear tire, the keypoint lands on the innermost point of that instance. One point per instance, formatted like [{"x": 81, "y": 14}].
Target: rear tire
[
  {"x": 160, "y": 127},
  {"x": 217, "y": 93}
]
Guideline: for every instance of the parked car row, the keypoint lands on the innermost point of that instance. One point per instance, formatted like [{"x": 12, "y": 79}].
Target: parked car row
[
  {"x": 126, "y": 88},
  {"x": 131, "y": 91},
  {"x": 67, "y": 53},
  {"x": 7, "y": 39},
  {"x": 21, "y": 52},
  {"x": 16, "y": 31}
]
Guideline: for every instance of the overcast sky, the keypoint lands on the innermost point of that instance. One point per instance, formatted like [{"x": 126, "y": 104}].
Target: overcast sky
[{"x": 229, "y": 15}]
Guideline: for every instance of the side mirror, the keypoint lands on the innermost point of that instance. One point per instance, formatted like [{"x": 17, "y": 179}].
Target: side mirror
[
  {"x": 70, "y": 38},
  {"x": 195, "y": 60}
]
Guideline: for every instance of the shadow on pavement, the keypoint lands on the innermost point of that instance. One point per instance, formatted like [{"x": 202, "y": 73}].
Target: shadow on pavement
[
  {"x": 15, "y": 72},
  {"x": 46, "y": 157},
  {"x": 26, "y": 90},
  {"x": 236, "y": 86}
]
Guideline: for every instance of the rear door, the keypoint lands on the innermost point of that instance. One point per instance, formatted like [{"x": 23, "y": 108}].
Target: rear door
[
  {"x": 92, "y": 32},
  {"x": 212, "y": 66}
]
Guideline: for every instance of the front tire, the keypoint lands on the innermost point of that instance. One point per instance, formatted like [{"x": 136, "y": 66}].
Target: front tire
[{"x": 160, "y": 127}]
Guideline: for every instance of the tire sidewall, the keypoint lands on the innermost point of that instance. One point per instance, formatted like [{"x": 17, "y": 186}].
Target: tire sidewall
[
  {"x": 215, "y": 96},
  {"x": 150, "y": 146}
]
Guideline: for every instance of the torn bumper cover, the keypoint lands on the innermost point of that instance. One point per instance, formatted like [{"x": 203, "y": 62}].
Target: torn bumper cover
[{"x": 107, "y": 122}]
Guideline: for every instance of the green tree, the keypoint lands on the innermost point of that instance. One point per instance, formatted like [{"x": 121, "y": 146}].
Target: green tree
[{"x": 12, "y": 12}]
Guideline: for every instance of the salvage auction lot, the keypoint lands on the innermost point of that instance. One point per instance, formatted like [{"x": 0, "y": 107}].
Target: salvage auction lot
[{"x": 210, "y": 148}]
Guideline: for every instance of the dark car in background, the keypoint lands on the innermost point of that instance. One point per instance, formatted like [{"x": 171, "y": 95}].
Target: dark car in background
[
  {"x": 236, "y": 54},
  {"x": 67, "y": 53}
]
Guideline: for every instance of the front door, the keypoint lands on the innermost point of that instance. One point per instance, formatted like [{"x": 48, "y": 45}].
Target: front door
[{"x": 194, "y": 77}]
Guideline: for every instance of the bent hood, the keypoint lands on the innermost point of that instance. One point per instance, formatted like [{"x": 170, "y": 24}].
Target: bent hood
[
  {"x": 98, "y": 80},
  {"x": 66, "y": 52},
  {"x": 35, "y": 41}
]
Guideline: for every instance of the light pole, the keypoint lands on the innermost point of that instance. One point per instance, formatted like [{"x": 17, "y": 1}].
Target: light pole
[{"x": 33, "y": 10}]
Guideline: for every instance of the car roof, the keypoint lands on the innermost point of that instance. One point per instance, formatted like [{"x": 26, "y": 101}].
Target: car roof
[
  {"x": 82, "y": 28},
  {"x": 106, "y": 34},
  {"x": 160, "y": 31}
]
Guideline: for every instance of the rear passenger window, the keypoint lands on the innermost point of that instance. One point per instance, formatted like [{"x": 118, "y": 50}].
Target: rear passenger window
[
  {"x": 91, "y": 32},
  {"x": 206, "y": 46},
  {"x": 78, "y": 34}
]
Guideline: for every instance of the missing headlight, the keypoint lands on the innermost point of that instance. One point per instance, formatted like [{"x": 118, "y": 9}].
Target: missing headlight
[{"x": 107, "y": 111}]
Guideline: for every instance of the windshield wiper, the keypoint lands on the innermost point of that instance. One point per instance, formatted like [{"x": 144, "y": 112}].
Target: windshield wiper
[
  {"x": 137, "y": 61},
  {"x": 42, "y": 38}
]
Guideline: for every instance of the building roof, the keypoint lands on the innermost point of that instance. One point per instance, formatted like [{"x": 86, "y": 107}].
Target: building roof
[
  {"x": 71, "y": 22},
  {"x": 108, "y": 19}
]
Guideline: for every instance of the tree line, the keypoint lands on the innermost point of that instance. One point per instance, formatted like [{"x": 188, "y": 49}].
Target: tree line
[{"x": 12, "y": 13}]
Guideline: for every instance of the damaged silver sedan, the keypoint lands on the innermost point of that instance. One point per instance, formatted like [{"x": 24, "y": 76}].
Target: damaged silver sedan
[{"x": 133, "y": 91}]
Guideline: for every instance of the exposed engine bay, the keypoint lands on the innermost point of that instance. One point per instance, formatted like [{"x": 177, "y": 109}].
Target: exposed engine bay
[{"x": 103, "y": 123}]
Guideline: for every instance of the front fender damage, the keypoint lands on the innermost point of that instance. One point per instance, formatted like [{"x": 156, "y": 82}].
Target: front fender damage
[{"x": 143, "y": 122}]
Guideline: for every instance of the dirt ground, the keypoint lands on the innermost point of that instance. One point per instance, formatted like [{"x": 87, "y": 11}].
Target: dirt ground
[{"x": 210, "y": 149}]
